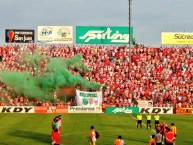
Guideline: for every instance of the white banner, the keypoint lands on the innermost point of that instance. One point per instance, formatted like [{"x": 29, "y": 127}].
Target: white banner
[
  {"x": 55, "y": 34},
  {"x": 84, "y": 109},
  {"x": 145, "y": 103},
  {"x": 153, "y": 110},
  {"x": 88, "y": 98},
  {"x": 17, "y": 109}
]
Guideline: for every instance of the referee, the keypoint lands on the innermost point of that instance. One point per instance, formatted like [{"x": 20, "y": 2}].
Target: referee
[
  {"x": 156, "y": 117},
  {"x": 148, "y": 117},
  {"x": 139, "y": 120}
]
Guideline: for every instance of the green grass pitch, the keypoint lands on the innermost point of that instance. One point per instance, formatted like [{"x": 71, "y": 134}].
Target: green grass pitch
[{"x": 35, "y": 129}]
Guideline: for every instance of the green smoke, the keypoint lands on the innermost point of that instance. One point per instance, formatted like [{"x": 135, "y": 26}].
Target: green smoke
[
  {"x": 42, "y": 84},
  {"x": 22, "y": 83}
]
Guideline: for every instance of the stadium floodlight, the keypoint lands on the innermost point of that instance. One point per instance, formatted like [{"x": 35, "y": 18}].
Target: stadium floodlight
[{"x": 130, "y": 3}]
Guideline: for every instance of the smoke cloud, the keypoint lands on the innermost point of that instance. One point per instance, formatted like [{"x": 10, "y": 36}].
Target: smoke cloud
[{"x": 57, "y": 73}]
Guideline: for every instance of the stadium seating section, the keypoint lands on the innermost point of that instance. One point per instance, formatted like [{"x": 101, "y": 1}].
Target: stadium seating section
[{"x": 164, "y": 75}]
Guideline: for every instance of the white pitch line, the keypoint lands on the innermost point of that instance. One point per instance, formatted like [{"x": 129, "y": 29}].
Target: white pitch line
[
  {"x": 88, "y": 132},
  {"x": 142, "y": 123}
]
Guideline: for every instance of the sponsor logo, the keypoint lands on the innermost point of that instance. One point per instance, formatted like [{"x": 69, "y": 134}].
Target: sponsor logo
[
  {"x": 53, "y": 109},
  {"x": 157, "y": 110},
  {"x": 177, "y": 38},
  {"x": 116, "y": 37},
  {"x": 184, "y": 110},
  {"x": 17, "y": 110},
  {"x": 124, "y": 110},
  {"x": 10, "y": 35},
  {"x": 46, "y": 31},
  {"x": 72, "y": 108},
  {"x": 183, "y": 36},
  {"x": 64, "y": 32},
  {"x": 19, "y": 36},
  {"x": 82, "y": 109}
]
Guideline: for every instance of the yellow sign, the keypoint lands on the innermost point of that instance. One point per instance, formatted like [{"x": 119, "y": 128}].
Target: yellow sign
[{"x": 177, "y": 38}]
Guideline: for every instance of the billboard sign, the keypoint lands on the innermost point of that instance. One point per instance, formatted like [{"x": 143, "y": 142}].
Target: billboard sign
[
  {"x": 84, "y": 109},
  {"x": 154, "y": 110},
  {"x": 122, "y": 110},
  {"x": 50, "y": 109},
  {"x": 182, "y": 38},
  {"x": 19, "y": 36},
  {"x": 184, "y": 110},
  {"x": 55, "y": 34},
  {"x": 17, "y": 109},
  {"x": 103, "y": 35}
]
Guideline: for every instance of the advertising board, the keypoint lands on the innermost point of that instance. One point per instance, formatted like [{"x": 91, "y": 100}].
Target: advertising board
[
  {"x": 19, "y": 36},
  {"x": 122, "y": 110},
  {"x": 84, "y": 109},
  {"x": 55, "y": 34},
  {"x": 176, "y": 38},
  {"x": 103, "y": 35},
  {"x": 153, "y": 110},
  {"x": 51, "y": 109},
  {"x": 184, "y": 110},
  {"x": 16, "y": 109}
]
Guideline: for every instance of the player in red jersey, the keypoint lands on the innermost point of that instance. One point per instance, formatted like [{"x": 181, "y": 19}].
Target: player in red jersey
[
  {"x": 169, "y": 137},
  {"x": 55, "y": 137}
]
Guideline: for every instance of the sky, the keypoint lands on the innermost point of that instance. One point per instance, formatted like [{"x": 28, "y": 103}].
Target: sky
[{"x": 149, "y": 17}]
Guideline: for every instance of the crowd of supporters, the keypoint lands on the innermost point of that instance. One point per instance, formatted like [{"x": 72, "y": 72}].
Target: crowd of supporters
[{"x": 164, "y": 75}]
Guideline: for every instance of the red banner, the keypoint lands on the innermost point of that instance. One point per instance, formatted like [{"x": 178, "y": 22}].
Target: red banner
[
  {"x": 184, "y": 110},
  {"x": 51, "y": 109}
]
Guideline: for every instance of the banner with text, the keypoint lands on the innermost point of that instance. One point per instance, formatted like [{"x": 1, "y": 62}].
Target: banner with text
[
  {"x": 184, "y": 110},
  {"x": 88, "y": 98},
  {"x": 19, "y": 36},
  {"x": 84, "y": 109},
  {"x": 153, "y": 110},
  {"x": 55, "y": 34},
  {"x": 16, "y": 109},
  {"x": 122, "y": 110},
  {"x": 51, "y": 109},
  {"x": 176, "y": 38},
  {"x": 103, "y": 35}
]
